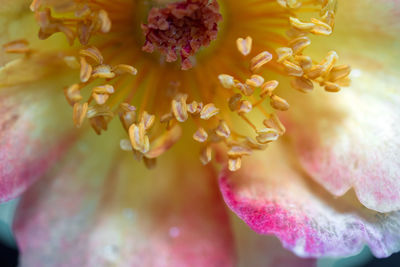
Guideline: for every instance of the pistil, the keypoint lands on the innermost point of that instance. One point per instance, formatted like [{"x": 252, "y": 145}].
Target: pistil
[{"x": 181, "y": 29}]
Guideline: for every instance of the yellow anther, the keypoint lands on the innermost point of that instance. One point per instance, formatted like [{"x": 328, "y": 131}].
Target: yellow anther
[
  {"x": 328, "y": 62},
  {"x": 234, "y": 102},
  {"x": 103, "y": 71},
  {"x": 125, "y": 145},
  {"x": 99, "y": 111},
  {"x": 293, "y": 69},
  {"x": 274, "y": 123},
  {"x": 148, "y": 120},
  {"x": 255, "y": 81},
  {"x": 239, "y": 151},
  {"x": 268, "y": 87},
  {"x": 289, "y": 3},
  {"x": 17, "y": 47},
  {"x": 283, "y": 53},
  {"x": 208, "y": 111},
  {"x": 86, "y": 70},
  {"x": 299, "y": 25},
  {"x": 205, "y": 155},
  {"x": 124, "y": 68},
  {"x": 329, "y": 18},
  {"x": 253, "y": 144},
  {"x": 260, "y": 60},
  {"x": 226, "y": 81},
  {"x": 35, "y": 5},
  {"x": 223, "y": 130},
  {"x": 320, "y": 28},
  {"x": 100, "y": 99},
  {"x": 73, "y": 94},
  {"x": 267, "y": 135},
  {"x": 200, "y": 135},
  {"x": 245, "y": 89},
  {"x": 79, "y": 113},
  {"x": 104, "y": 89},
  {"x": 234, "y": 164},
  {"x": 339, "y": 72},
  {"x": 127, "y": 115},
  {"x": 194, "y": 107},
  {"x": 245, "y": 107},
  {"x": 139, "y": 140},
  {"x": 315, "y": 72},
  {"x": 331, "y": 87},
  {"x": 93, "y": 53},
  {"x": 179, "y": 107},
  {"x": 279, "y": 103},
  {"x": 299, "y": 44},
  {"x": 99, "y": 123},
  {"x": 305, "y": 62},
  {"x": 244, "y": 45},
  {"x": 105, "y": 21},
  {"x": 302, "y": 84}
]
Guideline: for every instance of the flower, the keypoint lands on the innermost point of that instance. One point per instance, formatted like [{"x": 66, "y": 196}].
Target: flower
[{"x": 246, "y": 75}]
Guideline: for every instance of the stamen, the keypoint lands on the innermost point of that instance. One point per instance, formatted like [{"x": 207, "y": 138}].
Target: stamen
[
  {"x": 200, "y": 135},
  {"x": 206, "y": 155},
  {"x": 258, "y": 61},
  {"x": 267, "y": 135},
  {"x": 86, "y": 70},
  {"x": 244, "y": 45},
  {"x": 179, "y": 108},
  {"x": 279, "y": 103},
  {"x": 234, "y": 164},
  {"x": 227, "y": 81},
  {"x": 17, "y": 47},
  {"x": 208, "y": 111},
  {"x": 79, "y": 114}
]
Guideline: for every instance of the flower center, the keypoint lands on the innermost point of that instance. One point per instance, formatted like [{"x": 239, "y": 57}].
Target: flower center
[
  {"x": 182, "y": 28},
  {"x": 225, "y": 100}
]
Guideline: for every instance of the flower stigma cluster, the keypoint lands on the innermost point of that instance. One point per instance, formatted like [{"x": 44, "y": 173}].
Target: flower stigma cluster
[{"x": 123, "y": 51}]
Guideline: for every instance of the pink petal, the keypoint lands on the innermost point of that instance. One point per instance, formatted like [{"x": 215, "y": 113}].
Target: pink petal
[
  {"x": 109, "y": 210},
  {"x": 351, "y": 139},
  {"x": 256, "y": 250},
  {"x": 273, "y": 197},
  {"x": 34, "y": 131}
]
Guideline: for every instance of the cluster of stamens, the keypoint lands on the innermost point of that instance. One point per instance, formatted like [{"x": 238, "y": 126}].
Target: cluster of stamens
[
  {"x": 150, "y": 135},
  {"x": 88, "y": 19},
  {"x": 304, "y": 70}
]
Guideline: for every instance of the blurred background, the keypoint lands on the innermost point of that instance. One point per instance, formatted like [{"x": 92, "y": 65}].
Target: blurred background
[{"x": 9, "y": 252}]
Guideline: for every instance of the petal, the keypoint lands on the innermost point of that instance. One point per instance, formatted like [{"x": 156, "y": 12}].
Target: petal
[
  {"x": 256, "y": 250},
  {"x": 273, "y": 197},
  {"x": 351, "y": 139},
  {"x": 102, "y": 210},
  {"x": 368, "y": 27},
  {"x": 35, "y": 129}
]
